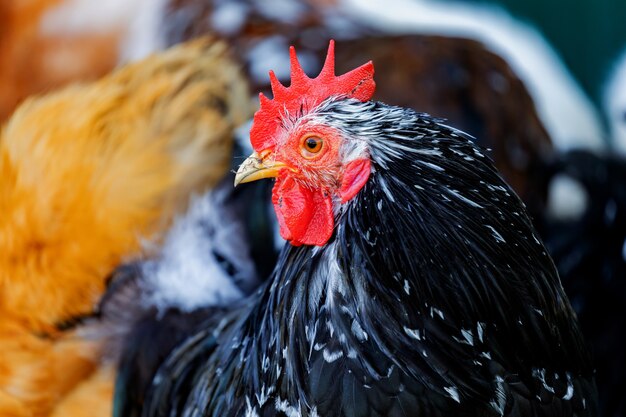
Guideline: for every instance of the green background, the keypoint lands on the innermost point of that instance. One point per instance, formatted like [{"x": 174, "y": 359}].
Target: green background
[{"x": 589, "y": 35}]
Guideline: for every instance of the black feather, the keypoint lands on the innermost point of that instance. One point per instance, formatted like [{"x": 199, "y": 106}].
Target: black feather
[{"x": 434, "y": 297}]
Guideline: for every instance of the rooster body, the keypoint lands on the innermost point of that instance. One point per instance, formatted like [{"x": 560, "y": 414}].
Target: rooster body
[{"x": 413, "y": 284}]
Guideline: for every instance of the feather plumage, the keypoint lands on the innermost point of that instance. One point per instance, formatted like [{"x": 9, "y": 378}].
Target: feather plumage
[{"x": 433, "y": 297}]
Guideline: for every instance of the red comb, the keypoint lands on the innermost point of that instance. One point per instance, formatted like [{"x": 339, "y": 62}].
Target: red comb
[{"x": 305, "y": 93}]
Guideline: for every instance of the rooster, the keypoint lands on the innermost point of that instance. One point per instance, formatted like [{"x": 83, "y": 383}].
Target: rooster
[
  {"x": 90, "y": 177},
  {"x": 412, "y": 283}
]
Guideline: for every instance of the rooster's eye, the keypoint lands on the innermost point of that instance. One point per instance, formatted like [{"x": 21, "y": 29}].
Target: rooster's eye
[{"x": 311, "y": 146}]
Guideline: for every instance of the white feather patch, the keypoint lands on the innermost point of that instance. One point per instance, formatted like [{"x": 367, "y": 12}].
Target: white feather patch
[{"x": 187, "y": 275}]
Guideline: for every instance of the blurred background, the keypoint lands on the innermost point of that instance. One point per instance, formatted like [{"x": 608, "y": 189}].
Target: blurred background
[
  {"x": 588, "y": 35},
  {"x": 47, "y": 43},
  {"x": 542, "y": 84}
]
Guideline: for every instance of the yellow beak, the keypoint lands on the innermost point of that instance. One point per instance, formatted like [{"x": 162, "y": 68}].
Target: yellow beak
[{"x": 256, "y": 168}]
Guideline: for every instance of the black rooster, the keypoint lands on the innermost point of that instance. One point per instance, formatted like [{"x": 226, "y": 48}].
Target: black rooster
[{"x": 414, "y": 283}]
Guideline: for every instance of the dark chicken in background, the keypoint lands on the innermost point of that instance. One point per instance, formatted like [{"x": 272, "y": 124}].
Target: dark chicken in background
[
  {"x": 589, "y": 249},
  {"x": 413, "y": 283}
]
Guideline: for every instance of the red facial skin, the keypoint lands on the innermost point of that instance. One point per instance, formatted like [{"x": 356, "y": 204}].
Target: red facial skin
[{"x": 309, "y": 187}]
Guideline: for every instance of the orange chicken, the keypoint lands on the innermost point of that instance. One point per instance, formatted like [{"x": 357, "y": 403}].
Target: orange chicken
[{"x": 91, "y": 176}]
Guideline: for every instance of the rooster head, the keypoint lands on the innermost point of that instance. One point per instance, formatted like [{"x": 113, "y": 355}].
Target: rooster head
[{"x": 317, "y": 166}]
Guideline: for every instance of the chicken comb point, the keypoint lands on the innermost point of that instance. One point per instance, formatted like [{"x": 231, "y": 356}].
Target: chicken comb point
[
  {"x": 297, "y": 73},
  {"x": 305, "y": 93},
  {"x": 263, "y": 99},
  {"x": 277, "y": 87},
  {"x": 329, "y": 63}
]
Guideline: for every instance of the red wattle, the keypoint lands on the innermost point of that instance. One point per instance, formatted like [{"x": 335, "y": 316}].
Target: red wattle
[
  {"x": 305, "y": 216},
  {"x": 355, "y": 175}
]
